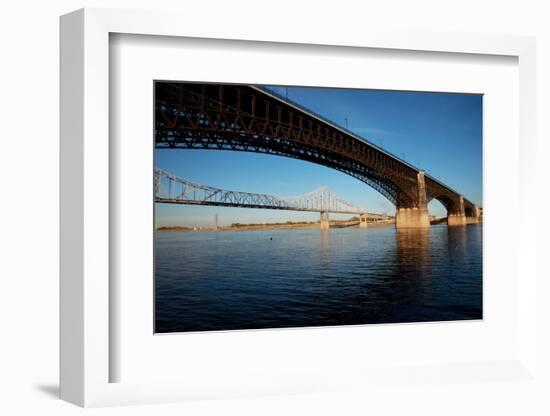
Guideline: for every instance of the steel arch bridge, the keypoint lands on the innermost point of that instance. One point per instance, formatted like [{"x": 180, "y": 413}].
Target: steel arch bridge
[{"x": 251, "y": 119}]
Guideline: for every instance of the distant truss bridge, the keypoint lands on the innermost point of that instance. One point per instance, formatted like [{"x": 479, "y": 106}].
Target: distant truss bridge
[{"x": 175, "y": 190}]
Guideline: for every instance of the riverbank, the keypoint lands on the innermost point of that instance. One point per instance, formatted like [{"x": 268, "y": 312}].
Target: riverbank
[{"x": 269, "y": 227}]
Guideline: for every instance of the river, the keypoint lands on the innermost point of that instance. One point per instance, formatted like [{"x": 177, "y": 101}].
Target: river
[{"x": 298, "y": 278}]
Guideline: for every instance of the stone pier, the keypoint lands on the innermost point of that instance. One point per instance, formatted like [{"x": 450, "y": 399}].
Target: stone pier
[
  {"x": 412, "y": 218},
  {"x": 324, "y": 222},
  {"x": 476, "y": 218},
  {"x": 362, "y": 221},
  {"x": 458, "y": 217},
  {"x": 415, "y": 217}
]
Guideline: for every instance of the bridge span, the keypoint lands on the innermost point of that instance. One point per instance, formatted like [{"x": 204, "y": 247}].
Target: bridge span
[
  {"x": 248, "y": 118},
  {"x": 171, "y": 189}
]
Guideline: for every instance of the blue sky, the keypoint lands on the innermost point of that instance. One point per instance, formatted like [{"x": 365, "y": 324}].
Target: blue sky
[{"x": 438, "y": 132}]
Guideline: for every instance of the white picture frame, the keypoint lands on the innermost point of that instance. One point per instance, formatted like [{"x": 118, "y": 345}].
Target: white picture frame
[{"x": 85, "y": 211}]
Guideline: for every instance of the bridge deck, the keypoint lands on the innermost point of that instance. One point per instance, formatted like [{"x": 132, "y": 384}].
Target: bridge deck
[{"x": 237, "y": 205}]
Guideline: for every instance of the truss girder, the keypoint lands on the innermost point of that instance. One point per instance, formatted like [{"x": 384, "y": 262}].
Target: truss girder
[
  {"x": 250, "y": 119},
  {"x": 173, "y": 189}
]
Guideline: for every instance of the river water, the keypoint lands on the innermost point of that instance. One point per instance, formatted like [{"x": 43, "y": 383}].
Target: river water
[{"x": 295, "y": 278}]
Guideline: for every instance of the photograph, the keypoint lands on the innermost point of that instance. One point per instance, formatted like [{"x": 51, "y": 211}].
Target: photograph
[
  {"x": 247, "y": 208},
  {"x": 298, "y": 206}
]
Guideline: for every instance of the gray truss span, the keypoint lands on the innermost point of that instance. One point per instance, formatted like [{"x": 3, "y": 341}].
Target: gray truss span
[
  {"x": 251, "y": 119},
  {"x": 173, "y": 189}
]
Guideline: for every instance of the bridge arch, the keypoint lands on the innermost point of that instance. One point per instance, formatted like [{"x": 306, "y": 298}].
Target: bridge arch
[
  {"x": 448, "y": 203},
  {"x": 246, "y": 119},
  {"x": 250, "y": 119}
]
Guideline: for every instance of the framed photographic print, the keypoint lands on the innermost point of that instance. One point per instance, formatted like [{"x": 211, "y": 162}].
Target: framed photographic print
[
  {"x": 227, "y": 259},
  {"x": 277, "y": 214}
]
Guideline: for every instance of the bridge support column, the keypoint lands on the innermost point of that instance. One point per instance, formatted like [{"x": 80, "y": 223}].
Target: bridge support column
[
  {"x": 363, "y": 221},
  {"x": 458, "y": 217},
  {"x": 476, "y": 219},
  {"x": 415, "y": 217},
  {"x": 412, "y": 218},
  {"x": 324, "y": 223}
]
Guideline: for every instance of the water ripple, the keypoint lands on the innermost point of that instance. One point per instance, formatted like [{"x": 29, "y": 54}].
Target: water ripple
[{"x": 296, "y": 278}]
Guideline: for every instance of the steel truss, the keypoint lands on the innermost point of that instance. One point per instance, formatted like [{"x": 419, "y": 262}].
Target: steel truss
[
  {"x": 251, "y": 119},
  {"x": 173, "y": 189}
]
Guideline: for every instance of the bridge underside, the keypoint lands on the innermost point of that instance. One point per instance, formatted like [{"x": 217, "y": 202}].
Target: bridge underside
[{"x": 249, "y": 119}]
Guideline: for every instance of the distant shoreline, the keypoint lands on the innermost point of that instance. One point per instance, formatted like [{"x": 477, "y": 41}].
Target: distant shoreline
[{"x": 269, "y": 227}]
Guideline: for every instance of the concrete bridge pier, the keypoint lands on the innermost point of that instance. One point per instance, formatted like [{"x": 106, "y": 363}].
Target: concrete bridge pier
[
  {"x": 476, "y": 218},
  {"x": 459, "y": 216},
  {"x": 412, "y": 218},
  {"x": 324, "y": 223},
  {"x": 417, "y": 216},
  {"x": 456, "y": 219},
  {"x": 363, "y": 221},
  {"x": 477, "y": 213}
]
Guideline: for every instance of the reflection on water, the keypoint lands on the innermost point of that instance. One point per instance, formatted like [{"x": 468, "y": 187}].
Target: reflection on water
[
  {"x": 456, "y": 237},
  {"x": 413, "y": 245},
  {"x": 324, "y": 240},
  {"x": 296, "y": 278}
]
